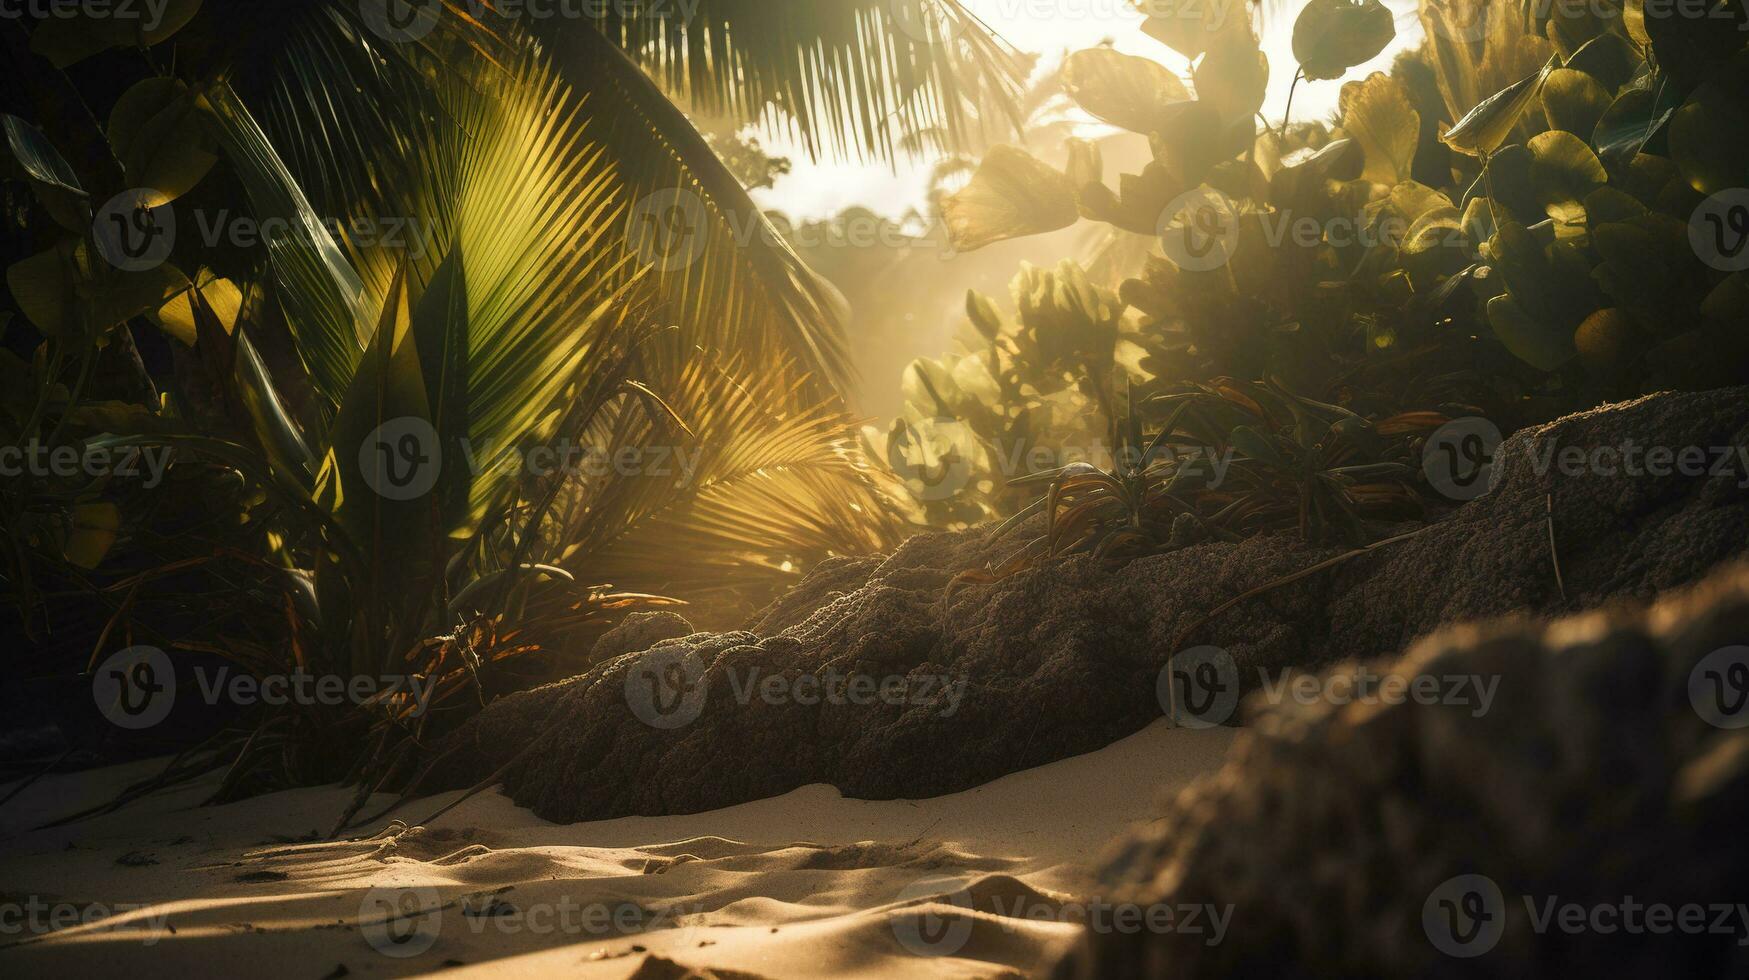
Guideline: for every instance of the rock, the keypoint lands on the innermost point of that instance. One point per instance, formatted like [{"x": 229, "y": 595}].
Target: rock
[
  {"x": 1064, "y": 658},
  {"x": 1593, "y": 781},
  {"x": 639, "y": 631}
]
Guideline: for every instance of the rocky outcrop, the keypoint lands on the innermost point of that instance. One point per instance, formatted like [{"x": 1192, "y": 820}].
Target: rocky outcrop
[
  {"x": 1609, "y": 780},
  {"x": 1065, "y": 658}
]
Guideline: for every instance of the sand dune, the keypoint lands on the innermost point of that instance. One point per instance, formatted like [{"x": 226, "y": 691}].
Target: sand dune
[{"x": 983, "y": 883}]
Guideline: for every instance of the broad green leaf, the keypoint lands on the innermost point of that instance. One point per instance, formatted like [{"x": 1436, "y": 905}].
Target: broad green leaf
[
  {"x": 45, "y": 287},
  {"x": 1609, "y": 59},
  {"x": 1433, "y": 247},
  {"x": 1573, "y": 101},
  {"x": 1522, "y": 263},
  {"x": 1378, "y": 115},
  {"x": 1633, "y": 18},
  {"x": 1332, "y": 36},
  {"x": 1186, "y": 26},
  {"x": 64, "y": 294},
  {"x": 91, "y": 533},
  {"x": 1012, "y": 194},
  {"x": 78, "y": 31},
  {"x": 1233, "y": 76},
  {"x": 1120, "y": 89},
  {"x": 1086, "y": 163},
  {"x": 1302, "y": 179},
  {"x": 1709, "y": 138},
  {"x": 1413, "y": 200},
  {"x": 1192, "y": 139},
  {"x": 1543, "y": 345},
  {"x": 1606, "y": 204},
  {"x": 1608, "y": 343},
  {"x": 157, "y": 132},
  {"x": 176, "y": 316},
  {"x": 1564, "y": 171}
]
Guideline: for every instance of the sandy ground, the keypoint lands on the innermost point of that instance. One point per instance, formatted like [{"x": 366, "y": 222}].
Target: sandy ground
[{"x": 805, "y": 884}]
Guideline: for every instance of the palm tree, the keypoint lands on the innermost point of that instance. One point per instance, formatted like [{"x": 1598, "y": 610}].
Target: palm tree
[{"x": 542, "y": 167}]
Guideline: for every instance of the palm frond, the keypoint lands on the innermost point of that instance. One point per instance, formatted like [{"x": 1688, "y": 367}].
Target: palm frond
[
  {"x": 738, "y": 286},
  {"x": 755, "y": 499},
  {"x": 848, "y": 75},
  {"x": 504, "y": 172},
  {"x": 325, "y": 299}
]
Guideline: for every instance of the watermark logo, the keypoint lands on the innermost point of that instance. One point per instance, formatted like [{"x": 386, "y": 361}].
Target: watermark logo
[
  {"x": 37, "y": 916},
  {"x": 135, "y": 688},
  {"x": 401, "y": 458},
  {"x": 1199, "y": 230},
  {"x": 935, "y": 457},
  {"x": 1199, "y": 688},
  {"x": 667, "y": 229},
  {"x": 1465, "y": 916},
  {"x": 666, "y": 686},
  {"x": 1719, "y": 230},
  {"x": 1718, "y": 688},
  {"x": 1458, "y": 459},
  {"x": 135, "y": 236},
  {"x": 35, "y": 458},
  {"x": 1638, "y": 460},
  {"x": 148, "y": 14},
  {"x": 401, "y": 922},
  {"x": 934, "y": 917},
  {"x": 131, "y": 234},
  {"x": 401, "y": 21},
  {"x": 1361, "y": 684},
  {"x": 1211, "y": 16}
]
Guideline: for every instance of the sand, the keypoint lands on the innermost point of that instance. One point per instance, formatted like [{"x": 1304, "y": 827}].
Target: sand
[{"x": 804, "y": 884}]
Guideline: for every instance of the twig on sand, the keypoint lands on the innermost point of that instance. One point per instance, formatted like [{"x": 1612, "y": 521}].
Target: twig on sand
[
  {"x": 1295, "y": 577},
  {"x": 25, "y": 783},
  {"x": 1554, "y": 553},
  {"x": 549, "y": 725}
]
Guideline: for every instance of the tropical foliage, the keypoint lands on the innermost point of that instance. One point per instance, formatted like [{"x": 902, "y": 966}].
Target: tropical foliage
[
  {"x": 1514, "y": 221},
  {"x": 404, "y": 274}
]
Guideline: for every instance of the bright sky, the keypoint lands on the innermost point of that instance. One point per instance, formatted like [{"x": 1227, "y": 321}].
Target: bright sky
[{"x": 817, "y": 189}]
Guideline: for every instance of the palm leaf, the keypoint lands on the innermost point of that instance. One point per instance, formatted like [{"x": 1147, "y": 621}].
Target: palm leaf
[
  {"x": 850, "y": 76},
  {"x": 763, "y": 494}
]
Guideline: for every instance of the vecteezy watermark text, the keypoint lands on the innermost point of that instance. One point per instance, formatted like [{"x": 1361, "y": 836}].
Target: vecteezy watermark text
[
  {"x": 1466, "y": 916},
  {"x": 136, "y": 688},
  {"x": 149, "y": 14},
  {"x": 401, "y": 922},
  {"x": 932, "y": 916},
  {"x": 38, "y": 916},
  {"x": 147, "y": 463},
  {"x": 667, "y": 687},
  {"x": 1459, "y": 459},
  {"x": 1200, "y": 688},
  {"x": 403, "y": 458}
]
